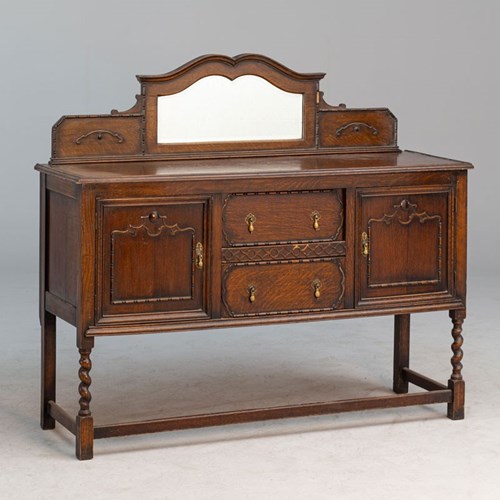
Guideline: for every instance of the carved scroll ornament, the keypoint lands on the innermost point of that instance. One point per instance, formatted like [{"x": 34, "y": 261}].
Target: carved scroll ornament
[
  {"x": 99, "y": 135},
  {"x": 410, "y": 210}
]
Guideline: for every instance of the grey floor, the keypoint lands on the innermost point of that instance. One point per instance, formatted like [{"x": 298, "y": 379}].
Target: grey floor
[{"x": 411, "y": 453}]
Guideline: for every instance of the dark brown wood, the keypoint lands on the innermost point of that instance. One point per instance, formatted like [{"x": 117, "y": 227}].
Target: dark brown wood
[
  {"x": 85, "y": 267},
  {"x": 62, "y": 186},
  {"x": 84, "y": 419},
  {"x": 232, "y": 68},
  {"x": 145, "y": 324},
  {"x": 148, "y": 254},
  {"x": 350, "y": 243},
  {"x": 132, "y": 134},
  {"x": 47, "y": 321},
  {"x": 138, "y": 237},
  {"x": 422, "y": 381},
  {"x": 61, "y": 416},
  {"x": 460, "y": 235},
  {"x": 48, "y": 365},
  {"x": 357, "y": 127},
  {"x": 242, "y": 416},
  {"x": 401, "y": 352},
  {"x": 84, "y": 438},
  {"x": 96, "y": 136},
  {"x": 255, "y": 289},
  {"x": 62, "y": 225},
  {"x": 456, "y": 408},
  {"x": 85, "y": 381},
  {"x": 337, "y": 170},
  {"x": 408, "y": 239},
  {"x": 42, "y": 251},
  {"x": 284, "y": 251},
  {"x": 214, "y": 256},
  {"x": 60, "y": 308},
  {"x": 283, "y": 217}
]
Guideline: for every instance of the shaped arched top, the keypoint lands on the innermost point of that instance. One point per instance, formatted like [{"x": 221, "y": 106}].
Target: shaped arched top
[{"x": 229, "y": 67}]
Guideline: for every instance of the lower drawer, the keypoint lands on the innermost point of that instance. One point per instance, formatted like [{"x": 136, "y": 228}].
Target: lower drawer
[{"x": 254, "y": 289}]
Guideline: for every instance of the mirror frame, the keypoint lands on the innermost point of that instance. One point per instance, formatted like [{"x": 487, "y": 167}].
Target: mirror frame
[{"x": 230, "y": 67}]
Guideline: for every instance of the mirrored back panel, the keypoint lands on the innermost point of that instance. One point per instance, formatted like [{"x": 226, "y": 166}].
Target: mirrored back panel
[{"x": 217, "y": 109}]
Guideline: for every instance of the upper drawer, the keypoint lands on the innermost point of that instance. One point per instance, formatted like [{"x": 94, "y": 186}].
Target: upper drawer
[{"x": 283, "y": 217}]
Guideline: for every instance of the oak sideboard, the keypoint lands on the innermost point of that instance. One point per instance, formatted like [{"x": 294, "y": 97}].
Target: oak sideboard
[{"x": 232, "y": 194}]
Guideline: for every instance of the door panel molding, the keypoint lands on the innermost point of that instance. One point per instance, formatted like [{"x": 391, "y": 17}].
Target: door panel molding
[
  {"x": 405, "y": 207},
  {"x": 407, "y": 243},
  {"x": 150, "y": 241}
]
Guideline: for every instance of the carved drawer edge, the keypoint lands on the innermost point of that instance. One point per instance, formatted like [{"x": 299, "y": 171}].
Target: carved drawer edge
[{"x": 283, "y": 252}]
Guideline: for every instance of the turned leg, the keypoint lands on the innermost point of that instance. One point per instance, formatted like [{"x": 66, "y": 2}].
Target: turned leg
[
  {"x": 456, "y": 382},
  {"x": 48, "y": 365},
  {"x": 84, "y": 419},
  {"x": 401, "y": 352}
]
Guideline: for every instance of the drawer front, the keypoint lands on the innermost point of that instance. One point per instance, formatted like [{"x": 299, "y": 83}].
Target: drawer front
[
  {"x": 255, "y": 289},
  {"x": 283, "y": 217}
]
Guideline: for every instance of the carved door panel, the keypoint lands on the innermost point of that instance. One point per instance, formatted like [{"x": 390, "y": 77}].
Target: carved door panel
[
  {"x": 403, "y": 244},
  {"x": 153, "y": 258}
]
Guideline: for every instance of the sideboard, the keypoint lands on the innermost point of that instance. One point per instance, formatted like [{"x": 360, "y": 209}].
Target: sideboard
[{"x": 232, "y": 194}]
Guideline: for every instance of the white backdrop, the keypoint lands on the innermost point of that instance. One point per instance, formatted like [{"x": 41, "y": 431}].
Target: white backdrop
[{"x": 434, "y": 64}]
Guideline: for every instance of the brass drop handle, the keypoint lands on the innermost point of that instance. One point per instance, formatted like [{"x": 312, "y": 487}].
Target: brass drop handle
[
  {"x": 199, "y": 255},
  {"x": 250, "y": 220},
  {"x": 365, "y": 245},
  {"x": 251, "y": 293},
  {"x": 315, "y": 218},
  {"x": 316, "y": 284}
]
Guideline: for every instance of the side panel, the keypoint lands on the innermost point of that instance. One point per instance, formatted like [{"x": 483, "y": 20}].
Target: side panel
[
  {"x": 461, "y": 236},
  {"x": 62, "y": 248}
]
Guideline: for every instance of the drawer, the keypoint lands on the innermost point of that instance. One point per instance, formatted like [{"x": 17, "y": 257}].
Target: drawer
[
  {"x": 283, "y": 217},
  {"x": 256, "y": 289}
]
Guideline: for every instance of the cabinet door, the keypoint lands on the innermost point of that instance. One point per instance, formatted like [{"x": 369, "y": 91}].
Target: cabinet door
[
  {"x": 403, "y": 244},
  {"x": 153, "y": 258}
]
